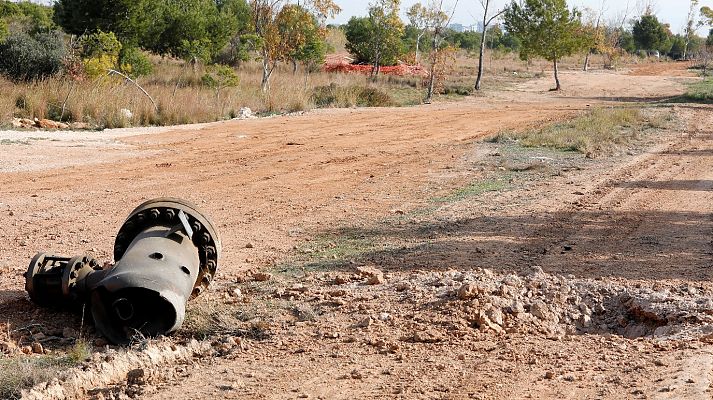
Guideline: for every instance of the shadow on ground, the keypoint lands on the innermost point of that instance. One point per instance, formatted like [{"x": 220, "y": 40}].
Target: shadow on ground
[{"x": 591, "y": 244}]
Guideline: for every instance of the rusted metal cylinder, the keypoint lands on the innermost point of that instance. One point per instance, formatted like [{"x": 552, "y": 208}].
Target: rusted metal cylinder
[{"x": 165, "y": 253}]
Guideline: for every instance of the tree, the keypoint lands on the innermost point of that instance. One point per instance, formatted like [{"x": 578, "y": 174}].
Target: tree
[
  {"x": 194, "y": 30},
  {"x": 706, "y": 16},
  {"x": 487, "y": 20},
  {"x": 25, "y": 57},
  {"x": 546, "y": 28},
  {"x": 376, "y": 39},
  {"x": 649, "y": 33},
  {"x": 594, "y": 29},
  {"x": 418, "y": 18},
  {"x": 690, "y": 29},
  {"x": 130, "y": 20},
  {"x": 29, "y": 17},
  {"x": 264, "y": 14},
  {"x": 297, "y": 28},
  {"x": 166, "y": 27},
  {"x": 322, "y": 10},
  {"x": 438, "y": 21}
]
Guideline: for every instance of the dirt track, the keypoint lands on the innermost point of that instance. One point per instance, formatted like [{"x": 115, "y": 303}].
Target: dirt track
[{"x": 642, "y": 219}]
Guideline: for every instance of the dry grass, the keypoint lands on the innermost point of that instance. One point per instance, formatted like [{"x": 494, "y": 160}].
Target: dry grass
[
  {"x": 182, "y": 98},
  {"x": 598, "y": 132},
  {"x": 21, "y": 373}
]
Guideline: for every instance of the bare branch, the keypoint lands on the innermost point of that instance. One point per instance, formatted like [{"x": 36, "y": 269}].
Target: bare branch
[{"x": 114, "y": 72}]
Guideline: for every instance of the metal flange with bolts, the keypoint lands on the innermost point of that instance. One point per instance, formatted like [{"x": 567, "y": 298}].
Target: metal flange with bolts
[{"x": 166, "y": 252}]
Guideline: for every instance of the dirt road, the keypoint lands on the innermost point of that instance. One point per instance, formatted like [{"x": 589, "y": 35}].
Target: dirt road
[{"x": 638, "y": 223}]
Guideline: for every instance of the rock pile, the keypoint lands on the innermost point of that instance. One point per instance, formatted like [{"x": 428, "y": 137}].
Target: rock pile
[
  {"x": 24, "y": 123},
  {"x": 557, "y": 305}
]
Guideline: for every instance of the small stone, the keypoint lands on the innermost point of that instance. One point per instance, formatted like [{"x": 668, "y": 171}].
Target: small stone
[
  {"x": 517, "y": 307},
  {"x": 337, "y": 293},
  {"x": 403, "y": 286},
  {"x": 249, "y": 245},
  {"x": 37, "y": 348},
  {"x": 7, "y": 347},
  {"x": 365, "y": 323},
  {"x": 539, "y": 309},
  {"x": 262, "y": 276},
  {"x": 427, "y": 336},
  {"x": 26, "y": 349},
  {"x": 341, "y": 280},
  {"x": 495, "y": 315},
  {"x": 467, "y": 291},
  {"x": 355, "y": 374},
  {"x": 374, "y": 275},
  {"x": 136, "y": 376},
  {"x": 376, "y": 279},
  {"x": 549, "y": 375}
]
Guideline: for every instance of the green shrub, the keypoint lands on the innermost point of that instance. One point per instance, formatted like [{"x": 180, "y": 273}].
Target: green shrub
[
  {"x": 325, "y": 96},
  {"x": 134, "y": 63},
  {"x": 25, "y": 57},
  {"x": 100, "y": 53},
  {"x": 337, "y": 96},
  {"x": 373, "y": 97}
]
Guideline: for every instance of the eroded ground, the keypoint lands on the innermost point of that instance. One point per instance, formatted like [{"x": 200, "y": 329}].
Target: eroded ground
[{"x": 507, "y": 272}]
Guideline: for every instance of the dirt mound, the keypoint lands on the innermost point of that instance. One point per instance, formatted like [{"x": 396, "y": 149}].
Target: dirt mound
[{"x": 557, "y": 305}]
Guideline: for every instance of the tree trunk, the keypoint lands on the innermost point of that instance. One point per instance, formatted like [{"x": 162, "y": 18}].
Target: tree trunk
[
  {"x": 586, "y": 61},
  {"x": 431, "y": 84},
  {"x": 557, "y": 76},
  {"x": 294, "y": 66},
  {"x": 432, "y": 77},
  {"x": 480, "y": 58},
  {"x": 266, "y": 72},
  {"x": 418, "y": 46}
]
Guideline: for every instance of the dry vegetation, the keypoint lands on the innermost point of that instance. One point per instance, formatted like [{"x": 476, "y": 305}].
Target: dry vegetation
[
  {"x": 182, "y": 98},
  {"x": 25, "y": 372},
  {"x": 598, "y": 132}
]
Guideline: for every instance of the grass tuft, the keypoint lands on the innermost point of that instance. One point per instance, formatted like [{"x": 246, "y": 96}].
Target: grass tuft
[
  {"x": 17, "y": 374},
  {"x": 700, "y": 91},
  {"x": 599, "y": 132},
  {"x": 475, "y": 189}
]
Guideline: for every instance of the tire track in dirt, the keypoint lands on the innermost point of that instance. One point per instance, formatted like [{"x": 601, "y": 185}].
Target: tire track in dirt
[{"x": 651, "y": 219}]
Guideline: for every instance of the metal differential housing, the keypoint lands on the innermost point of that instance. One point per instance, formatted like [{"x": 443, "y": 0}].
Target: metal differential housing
[{"x": 165, "y": 253}]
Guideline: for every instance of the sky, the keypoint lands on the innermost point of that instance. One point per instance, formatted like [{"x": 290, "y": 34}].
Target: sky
[{"x": 673, "y": 12}]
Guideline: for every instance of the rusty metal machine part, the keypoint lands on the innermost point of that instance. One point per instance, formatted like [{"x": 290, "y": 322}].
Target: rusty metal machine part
[{"x": 166, "y": 252}]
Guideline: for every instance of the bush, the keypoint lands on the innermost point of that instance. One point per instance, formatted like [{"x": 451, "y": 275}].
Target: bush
[
  {"x": 373, "y": 97},
  {"x": 134, "y": 63},
  {"x": 336, "y": 96},
  {"x": 24, "y": 57},
  {"x": 325, "y": 96},
  {"x": 100, "y": 52}
]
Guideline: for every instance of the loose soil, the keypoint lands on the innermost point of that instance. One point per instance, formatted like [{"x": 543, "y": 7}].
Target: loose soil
[{"x": 550, "y": 275}]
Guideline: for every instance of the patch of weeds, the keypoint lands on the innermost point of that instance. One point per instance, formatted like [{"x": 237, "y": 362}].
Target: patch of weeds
[
  {"x": 21, "y": 373},
  {"x": 475, "y": 189},
  {"x": 700, "y": 92},
  {"x": 334, "y": 95},
  {"x": 9, "y": 142},
  {"x": 327, "y": 252},
  {"x": 208, "y": 318},
  {"x": 599, "y": 132},
  {"x": 374, "y": 97}
]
